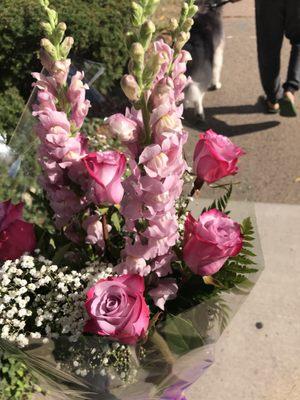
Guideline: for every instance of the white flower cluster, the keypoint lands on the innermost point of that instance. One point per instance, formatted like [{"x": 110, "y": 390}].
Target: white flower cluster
[
  {"x": 40, "y": 300},
  {"x": 94, "y": 356}
]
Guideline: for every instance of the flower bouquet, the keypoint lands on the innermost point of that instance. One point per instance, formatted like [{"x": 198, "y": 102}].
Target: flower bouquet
[{"x": 121, "y": 292}]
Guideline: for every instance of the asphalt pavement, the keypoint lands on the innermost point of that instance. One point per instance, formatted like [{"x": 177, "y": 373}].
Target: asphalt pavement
[{"x": 270, "y": 172}]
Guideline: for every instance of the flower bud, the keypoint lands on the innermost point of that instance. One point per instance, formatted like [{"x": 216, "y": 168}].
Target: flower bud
[
  {"x": 46, "y": 60},
  {"x": 151, "y": 6},
  {"x": 66, "y": 46},
  {"x": 61, "y": 29},
  {"x": 130, "y": 87},
  {"x": 173, "y": 24},
  {"x": 147, "y": 30},
  {"x": 152, "y": 68},
  {"x": 137, "y": 14},
  {"x": 183, "y": 37},
  {"x": 47, "y": 28},
  {"x": 192, "y": 11},
  {"x": 49, "y": 48},
  {"x": 137, "y": 51},
  {"x": 189, "y": 22}
]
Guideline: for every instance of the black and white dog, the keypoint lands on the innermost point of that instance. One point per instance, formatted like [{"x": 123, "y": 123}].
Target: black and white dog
[{"x": 206, "y": 46}]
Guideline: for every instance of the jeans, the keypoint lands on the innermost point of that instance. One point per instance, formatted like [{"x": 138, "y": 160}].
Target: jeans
[{"x": 274, "y": 20}]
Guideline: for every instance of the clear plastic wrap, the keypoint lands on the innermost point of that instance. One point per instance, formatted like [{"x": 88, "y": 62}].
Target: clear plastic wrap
[{"x": 175, "y": 355}]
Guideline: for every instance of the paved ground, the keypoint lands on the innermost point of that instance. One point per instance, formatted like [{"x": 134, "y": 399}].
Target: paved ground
[
  {"x": 263, "y": 364},
  {"x": 270, "y": 172},
  {"x": 251, "y": 363}
]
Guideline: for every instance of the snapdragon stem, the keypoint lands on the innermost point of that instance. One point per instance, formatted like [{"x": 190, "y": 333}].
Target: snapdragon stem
[
  {"x": 146, "y": 119},
  {"x": 105, "y": 228}
]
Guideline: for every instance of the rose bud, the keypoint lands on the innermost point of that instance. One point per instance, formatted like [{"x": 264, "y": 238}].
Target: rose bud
[
  {"x": 117, "y": 309},
  {"x": 16, "y": 236},
  {"x": 106, "y": 170},
  {"x": 215, "y": 157},
  {"x": 210, "y": 241}
]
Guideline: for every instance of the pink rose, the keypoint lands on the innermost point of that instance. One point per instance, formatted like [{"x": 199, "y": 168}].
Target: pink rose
[
  {"x": 16, "y": 236},
  {"x": 215, "y": 157},
  {"x": 118, "y": 309},
  {"x": 210, "y": 241},
  {"x": 106, "y": 170}
]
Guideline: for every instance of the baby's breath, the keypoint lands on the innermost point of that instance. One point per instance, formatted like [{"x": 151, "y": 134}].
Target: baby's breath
[{"x": 40, "y": 300}]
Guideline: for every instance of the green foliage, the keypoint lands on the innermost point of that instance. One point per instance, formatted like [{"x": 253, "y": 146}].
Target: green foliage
[
  {"x": 181, "y": 335},
  {"x": 11, "y": 107},
  {"x": 222, "y": 202},
  {"x": 97, "y": 26},
  {"x": 15, "y": 380},
  {"x": 234, "y": 273}
]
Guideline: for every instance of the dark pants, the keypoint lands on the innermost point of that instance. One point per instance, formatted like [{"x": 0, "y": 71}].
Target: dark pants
[{"x": 274, "y": 20}]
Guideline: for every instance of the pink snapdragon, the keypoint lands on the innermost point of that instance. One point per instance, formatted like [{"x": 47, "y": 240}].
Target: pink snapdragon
[
  {"x": 62, "y": 146},
  {"x": 157, "y": 168}
]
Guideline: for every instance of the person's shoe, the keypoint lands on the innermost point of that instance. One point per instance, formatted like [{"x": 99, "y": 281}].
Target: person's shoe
[
  {"x": 270, "y": 107},
  {"x": 287, "y": 105}
]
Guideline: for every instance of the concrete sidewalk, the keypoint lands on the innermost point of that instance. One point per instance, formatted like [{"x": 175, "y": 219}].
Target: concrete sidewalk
[{"x": 263, "y": 364}]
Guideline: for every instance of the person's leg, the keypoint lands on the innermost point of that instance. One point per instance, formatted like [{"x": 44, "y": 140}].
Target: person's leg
[
  {"x": 270, "y": 33},
  {"x": 292, "y": 29},
  {"x": 292, "y": 32}
]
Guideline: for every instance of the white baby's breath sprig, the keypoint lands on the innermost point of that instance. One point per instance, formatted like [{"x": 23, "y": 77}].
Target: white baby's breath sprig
[{"x": 40, "y": 300}]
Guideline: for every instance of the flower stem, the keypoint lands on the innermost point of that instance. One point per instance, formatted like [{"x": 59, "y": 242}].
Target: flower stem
[
  {"x": 146, "y": 120},
  {"x": 197, "y": 186},
  {"x": 105, "y": 229}
]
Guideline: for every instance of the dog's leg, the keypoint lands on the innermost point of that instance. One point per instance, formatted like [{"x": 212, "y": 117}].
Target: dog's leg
[
  {"x": 217, "y": 66},
  {"x": 198, "y": 106}
]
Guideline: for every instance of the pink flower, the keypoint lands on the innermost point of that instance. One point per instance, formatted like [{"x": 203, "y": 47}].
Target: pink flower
[
  {"x": 162, "y": 265},
  {"x": 165, "y": 159},
  {"x": 16, "y": 236},
  {"x": 130, "y": 87},
  {"x": 210, "y": 241},
  {"x": 124, "y": 128},
  {"x": 166, "y": 54},
  {"x": 215, "y": 157},
  {"x": 106, "y": 170},
  {"x": 166, "y": 290},
  {"x": 61, "y": 71},
  {"x": 117, "y": 309},
  {"x": 94, "y": 230},
  {"x": 76, "y": 96}
]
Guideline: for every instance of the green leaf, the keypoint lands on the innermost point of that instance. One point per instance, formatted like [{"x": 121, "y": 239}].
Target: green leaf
[
  {"x": 221, "y": 203},
  {"x": 115, "y": 220},
  {"x": 60, "y": 253},
  {"x": 180, "y": 335}
]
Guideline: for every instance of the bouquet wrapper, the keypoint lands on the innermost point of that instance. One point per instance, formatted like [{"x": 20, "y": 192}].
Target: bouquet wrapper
[{"x": 175, "y": 355}]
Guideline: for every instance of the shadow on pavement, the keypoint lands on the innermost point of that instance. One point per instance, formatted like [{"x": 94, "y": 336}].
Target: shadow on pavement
[{"x": 222, "y": 127}]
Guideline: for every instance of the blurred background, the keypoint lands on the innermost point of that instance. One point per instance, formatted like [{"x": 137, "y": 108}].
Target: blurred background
[{"x": 258, "y": 357}]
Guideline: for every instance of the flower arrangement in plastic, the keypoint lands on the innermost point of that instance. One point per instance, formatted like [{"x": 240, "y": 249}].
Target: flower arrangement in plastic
[{"x": 121, "y": 296}]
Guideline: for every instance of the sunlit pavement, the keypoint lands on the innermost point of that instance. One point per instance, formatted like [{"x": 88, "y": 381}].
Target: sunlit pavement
[
  {"x": 258, "y": 355},
  {"x": 270, "y": 172},
  {"x": 253, "y": 363}
]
